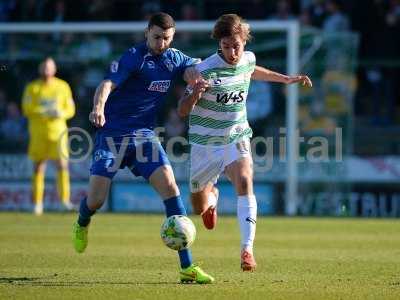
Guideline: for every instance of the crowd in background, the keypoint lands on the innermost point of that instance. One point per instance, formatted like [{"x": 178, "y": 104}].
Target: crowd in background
[{"x": 377, "y": 96}]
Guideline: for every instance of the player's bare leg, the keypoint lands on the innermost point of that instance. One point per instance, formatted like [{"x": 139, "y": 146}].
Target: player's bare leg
[
  {"x": 204, "y": 203},
  {"x": 240, "y": 172},
  {"x": 63, "y": 183},
  {"x": 163, "y": 181},
  {"x": 39, "y": 170},
  {"x": 99, "y": 187}
]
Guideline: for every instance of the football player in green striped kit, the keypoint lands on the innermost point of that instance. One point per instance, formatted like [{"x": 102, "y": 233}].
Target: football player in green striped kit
[{"x": 219, "y": 133}]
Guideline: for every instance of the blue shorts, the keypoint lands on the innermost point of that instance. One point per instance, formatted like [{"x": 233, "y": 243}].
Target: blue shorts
[{"x": 142, "y": 156}]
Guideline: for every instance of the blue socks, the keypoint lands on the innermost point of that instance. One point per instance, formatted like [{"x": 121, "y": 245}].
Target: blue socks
[
  {"x": 174, "y": 206},
  {"x": 84, "y": 213}
]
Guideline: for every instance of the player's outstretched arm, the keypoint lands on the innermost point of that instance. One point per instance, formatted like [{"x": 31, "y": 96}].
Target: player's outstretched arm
[
  {"x": 99, "y": 101},
  {"x": 264, "y": 74},
  {"x": 192, "y": 95}
]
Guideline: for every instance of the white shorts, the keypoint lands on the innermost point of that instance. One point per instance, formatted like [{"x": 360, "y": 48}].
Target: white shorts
[{"x": 208, "y": 162}]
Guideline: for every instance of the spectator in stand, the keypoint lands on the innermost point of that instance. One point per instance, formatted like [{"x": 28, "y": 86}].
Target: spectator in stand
[
  {"x": 334, "y": 25},
  {"x": 3, "y": 104},
  {"x": 149, "y": 8},
  {"x": 315, "y": 13},
  {"x": 283, "y": 11},
  {"x": 13, "y": 126},
  {"x": 94, "y": 46},
  {"x": 58, "y": 17},
  {"x": 98, "y": 10},
  {"x": 189, "y": 12},
  {"x": 336, "y": 20},
  {"x": 59, "y": 12}
]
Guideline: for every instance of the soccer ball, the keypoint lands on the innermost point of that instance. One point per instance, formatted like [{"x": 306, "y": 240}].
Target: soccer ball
[{"x": 178, "y": 232}]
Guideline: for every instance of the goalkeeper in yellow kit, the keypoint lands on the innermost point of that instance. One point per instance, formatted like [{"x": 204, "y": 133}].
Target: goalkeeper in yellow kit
[{"x": 47, "y": 103}]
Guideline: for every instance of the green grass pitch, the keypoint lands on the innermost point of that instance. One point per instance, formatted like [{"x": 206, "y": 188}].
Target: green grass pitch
[{"x": 298, "y": 258}]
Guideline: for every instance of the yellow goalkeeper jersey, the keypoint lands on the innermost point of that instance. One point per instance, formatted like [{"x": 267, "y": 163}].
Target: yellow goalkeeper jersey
[{"x": 41, "y": 100}]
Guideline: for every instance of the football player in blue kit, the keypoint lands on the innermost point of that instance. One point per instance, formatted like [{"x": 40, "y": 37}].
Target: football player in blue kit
[{"x": 124, "y": 110}]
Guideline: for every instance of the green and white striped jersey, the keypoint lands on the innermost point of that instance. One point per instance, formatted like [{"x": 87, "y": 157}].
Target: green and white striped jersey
[{"x": 219, "y": 117}]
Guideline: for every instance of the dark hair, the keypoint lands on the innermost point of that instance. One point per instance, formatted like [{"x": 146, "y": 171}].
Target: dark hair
[
  {"x": 229, "y": 25},
  {"x": 163, "y": 20},
  {"x": 338, "y": 3}
]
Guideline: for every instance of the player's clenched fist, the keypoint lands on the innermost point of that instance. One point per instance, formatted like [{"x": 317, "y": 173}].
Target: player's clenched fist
[
  {"x": 303, "y": 79},
  {"x": 199, "y": 88},
  {"x": 97, "y": 118}
]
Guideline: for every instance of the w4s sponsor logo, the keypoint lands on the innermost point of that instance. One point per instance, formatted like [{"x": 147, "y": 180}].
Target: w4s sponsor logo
[{"x": 233, "y": 97}]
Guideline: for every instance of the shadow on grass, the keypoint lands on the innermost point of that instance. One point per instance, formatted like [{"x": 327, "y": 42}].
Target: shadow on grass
[
  {"x": 90, "y": 283},
  {"x": 44, "y": 281},
  {"x": 16, "y": 279}
]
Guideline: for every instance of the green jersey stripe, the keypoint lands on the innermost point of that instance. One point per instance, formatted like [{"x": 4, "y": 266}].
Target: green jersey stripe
[
  {"x": 227, "y": 72},
  {"x": 212, "y": 123},
  {"x": 218, "y": 140},
  {"x": 214, "y": 106}
]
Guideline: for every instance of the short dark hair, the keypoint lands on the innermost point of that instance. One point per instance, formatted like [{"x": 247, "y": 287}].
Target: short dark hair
[
  {"x": 338, "y": 3},
  {"x": 229, "y": 25},
  {"x": 163, "y": 20}
]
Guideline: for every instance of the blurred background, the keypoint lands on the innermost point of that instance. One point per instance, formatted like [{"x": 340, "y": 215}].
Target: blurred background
[{"x": 350, "y": 49}]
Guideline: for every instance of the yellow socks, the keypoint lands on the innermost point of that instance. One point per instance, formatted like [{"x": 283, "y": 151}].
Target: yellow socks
[
  {"x": 63, "y": 185},
  {"x": 38, "y": 188}
]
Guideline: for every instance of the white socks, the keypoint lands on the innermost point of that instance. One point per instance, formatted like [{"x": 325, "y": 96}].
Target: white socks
[
  {"x": 212, "y": 200},
  {"x": 247, "y": 217}
]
